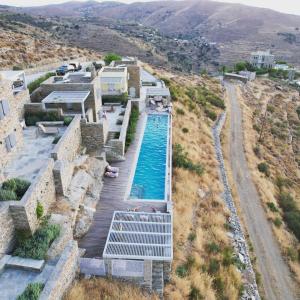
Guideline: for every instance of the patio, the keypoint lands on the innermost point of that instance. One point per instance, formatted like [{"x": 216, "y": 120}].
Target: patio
[
  {"x": 27, "y": 162},
  {"x": 113, "y": 116}
]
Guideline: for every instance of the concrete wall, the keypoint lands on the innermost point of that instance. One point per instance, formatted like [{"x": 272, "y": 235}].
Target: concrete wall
[
  {"x": 10, "y": 124},
  {"x": 63, "y": 275},
  {"x": 7, "y": 229},
  {"x": 68, "y": 146},
  {"x": 42, "y": 190},
  {"x": 94, "y": 135}
]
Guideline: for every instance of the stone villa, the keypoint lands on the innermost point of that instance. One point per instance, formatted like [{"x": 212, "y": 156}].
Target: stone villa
[
  {"x": 61, "y": 139},
  {"x": 262, "y": 59}
]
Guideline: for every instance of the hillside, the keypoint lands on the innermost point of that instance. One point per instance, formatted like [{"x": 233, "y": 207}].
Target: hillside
[
  {"x": 224, "y": 32},
  {"x": 24, "y": 46}
]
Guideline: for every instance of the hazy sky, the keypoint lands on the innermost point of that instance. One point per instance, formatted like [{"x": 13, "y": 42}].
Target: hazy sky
[{"x": 287, "y": 6}]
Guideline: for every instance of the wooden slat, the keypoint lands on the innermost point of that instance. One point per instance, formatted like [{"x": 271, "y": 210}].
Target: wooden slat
[{"x": 112, "y": 199}]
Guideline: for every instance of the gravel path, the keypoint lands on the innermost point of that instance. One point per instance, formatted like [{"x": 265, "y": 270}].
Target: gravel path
[{"x": 276, "y": 277}]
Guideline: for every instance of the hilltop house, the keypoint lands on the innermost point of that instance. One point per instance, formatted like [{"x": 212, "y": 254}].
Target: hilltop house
[{"x": 262, "y": 59}]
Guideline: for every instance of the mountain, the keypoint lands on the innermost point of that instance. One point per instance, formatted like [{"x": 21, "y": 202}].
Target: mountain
[{"x": 189, "y": 34}]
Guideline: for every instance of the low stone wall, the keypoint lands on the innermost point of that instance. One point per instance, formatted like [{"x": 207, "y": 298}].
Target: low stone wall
[
  {"x": 42, "y": 190},
  {"x": 63, "y": 274},
  {"x": 94, "y": 135},
  {"x": 32, "y": 108},
  {"x": 62, "y": 172},
  {"x": 69, "y": 145},
  {"x": 7, "y": 229}
]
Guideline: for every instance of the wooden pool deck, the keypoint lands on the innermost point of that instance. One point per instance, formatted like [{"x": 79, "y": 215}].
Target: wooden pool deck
[{"x": 112, "y": 199}]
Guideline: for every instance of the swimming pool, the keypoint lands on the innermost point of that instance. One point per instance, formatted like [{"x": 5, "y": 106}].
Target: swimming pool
[{"x": 149, "y": 182}]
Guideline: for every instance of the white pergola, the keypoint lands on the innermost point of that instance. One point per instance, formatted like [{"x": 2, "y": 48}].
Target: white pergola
[
  {"x": 158, "y": 91},
  {"x": 140, "y": 236},
  {"x": 67, "y": 97}
]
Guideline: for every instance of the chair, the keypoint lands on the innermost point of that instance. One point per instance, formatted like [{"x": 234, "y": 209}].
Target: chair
[{"x": 48, "y": 130}]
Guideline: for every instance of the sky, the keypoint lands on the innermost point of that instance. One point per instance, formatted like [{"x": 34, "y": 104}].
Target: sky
[{"x": 286, "y": 6}]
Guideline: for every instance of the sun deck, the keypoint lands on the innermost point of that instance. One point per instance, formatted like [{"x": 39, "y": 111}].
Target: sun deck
[{"x": 112, "y": 199}]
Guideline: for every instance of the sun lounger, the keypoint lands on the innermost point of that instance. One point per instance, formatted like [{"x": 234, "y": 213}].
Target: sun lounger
[
  {"x": 112, "y": 169},
  {"x": 111, "y": 174},
  {"x": 48, "y": 130}
]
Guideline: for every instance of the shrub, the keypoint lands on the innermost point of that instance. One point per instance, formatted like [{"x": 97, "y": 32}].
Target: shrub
[
  {"x": 256, "y": 151},
  {"x": 32, "y": 86},
  {"x": 134, "y": 116},
  {"x": 287, "y": 202},
  {"x": 277, "y": 222},
  {"x": 228, "y": 258},
  {"x": 213, "y": 248},
  {"x": 192, "y": 236},
  {"x": 270, "y": 108},
  {"x": 182, "y": 271},
  {"x": 39, "y": 210},
  {"x": 181, "y": 160},
  {"x": 211, "y": 114},
  {"x": 68, "y": 120},
  {"x": 264, "y": 168},
  {"x": 256, "y": 127},
  {"x": 219, "y": 286},
  {"x": 16, "y": 185},
  {"x": 216, "y": 101},
  {"x": 272, "y": 207},
  {"x": 282, "y": 182},
  {"x": 185, "y": 130},
  {"x": 292, "y": 254},
  {"x": 56, "y": 139},
  {"x": 32, "y": 291},
  {"x": 180, "y": 111},
  {"x": 214, "y": 266},
  {"x": 292, "y": 219},
  {"x": 36, "y": 247},
  {"x": 195, "y": 294},
  {"x": 17, "y": 68},
  {"x": 8, "y": 195},
  {"x": 111, "y": 57},
  {"x": 31, "y": 118}
]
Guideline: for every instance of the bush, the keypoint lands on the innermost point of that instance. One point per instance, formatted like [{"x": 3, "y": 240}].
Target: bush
[
  {"x": 36, "y": 247},
  {"x": 214, "y": 266},
  {"x": 219, "y": 286},
  {"x": 192, "y": 236},
  {"x": 292, "y": 219},
  {"x": 256, "y": 151},
  {"x": 56, "y": 139},
  {"x": 16, "y": 185},
  {"x": 32, "y": 291},
  {"x": 134, "y": 116},
  {"x": 277, "y": 222},
  {"x": 17, "y": 68},
  {"x": 256, "y": 127},
  {"x": 264, "y": 168},
  {"x": 32, "y": 118},
  {"x": 8, "y": 195},
  {"x": 39, "y": 210},
  {"x": 211, "y": 114},
  {"x": 185, "y": 130},
  {"x": 181, "y": 160},
  {"x": 195, "y": 294},
  {"x": 216, "y": 101},
  {"x": 182, "y": 271},
  {"x": 213, "y": 248},
  {"x": 287, "y": 202},
  {"x": 36, "y": 83},
  {"x": 68, "y": 121},
  {"x": 180, "y": 111},
  {"x": 111, "y": 57},
  {"x": 272, "y": 207}
]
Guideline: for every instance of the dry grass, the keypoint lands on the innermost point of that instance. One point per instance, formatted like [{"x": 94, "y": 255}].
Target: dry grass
[
  {"x": 277, "y": 153},
  {"x": 105, "y": 289}
]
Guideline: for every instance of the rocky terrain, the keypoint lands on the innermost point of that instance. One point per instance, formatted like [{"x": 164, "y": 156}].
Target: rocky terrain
[{"x": 191, "y": 35}]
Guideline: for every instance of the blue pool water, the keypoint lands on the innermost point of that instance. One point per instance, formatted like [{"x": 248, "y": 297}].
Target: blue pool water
[{"x": 150, "y": 173}]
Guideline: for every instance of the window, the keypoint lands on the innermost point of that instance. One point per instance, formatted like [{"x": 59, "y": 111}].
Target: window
[
  {"x": 10, "y": 142},
  {"x": 4, "y": 109}
]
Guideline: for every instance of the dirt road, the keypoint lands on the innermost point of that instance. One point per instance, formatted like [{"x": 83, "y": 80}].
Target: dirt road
[{"x": 276, "y": 277}]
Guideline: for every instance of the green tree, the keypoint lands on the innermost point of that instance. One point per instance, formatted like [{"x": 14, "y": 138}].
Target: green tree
[{"x": 111, "y": 57}]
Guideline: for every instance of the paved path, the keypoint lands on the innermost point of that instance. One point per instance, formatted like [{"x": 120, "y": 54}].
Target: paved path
[{"x": 276, "y": 276}]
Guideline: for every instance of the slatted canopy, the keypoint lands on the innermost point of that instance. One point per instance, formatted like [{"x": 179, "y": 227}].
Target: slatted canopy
[
  {"x": 65, "y": 97},
  {"x": 138, "y": 235},
  {"x": 154, "y": 91}
]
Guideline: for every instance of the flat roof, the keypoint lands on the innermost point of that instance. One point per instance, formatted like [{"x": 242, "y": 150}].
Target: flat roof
[
  {"x": 147, "y": 77},
  {"x": 11, "y": 75},
  {"x": 140, "y": 235},
  {"x": 66, "y": 97},
  {"x": 154, "y": 91}
]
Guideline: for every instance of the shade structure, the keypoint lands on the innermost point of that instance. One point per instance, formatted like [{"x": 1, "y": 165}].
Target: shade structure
[
  {"x": 66, "y": 97},
  {"x": 138, "y": 235}
]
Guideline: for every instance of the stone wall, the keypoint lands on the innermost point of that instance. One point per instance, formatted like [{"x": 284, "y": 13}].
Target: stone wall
[
  {"x": 63, "y": 275},
  {"x": 10, "y": 124},
  {"x": 134, "y": 79},
  {"x": 62, "y": 172},
  {"x": 42, "y": 190},
  {"x": 69, "y": 144},
  {"x": 94, "y": 135},
  {"x": 7, "y": 229}
]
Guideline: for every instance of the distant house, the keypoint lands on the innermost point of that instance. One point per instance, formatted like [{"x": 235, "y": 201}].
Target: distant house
[
  {"x": 262, "y": 59},
  {"x": 250, "y": 75},
  {"x": 114, "y": 81}
]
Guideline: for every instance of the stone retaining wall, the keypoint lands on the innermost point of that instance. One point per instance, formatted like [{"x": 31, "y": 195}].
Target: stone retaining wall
[
  {"x": 42, "y": 190},
  {"x": 63, "y": 275},
  {"x": 69, "y": 145},
  {"x": 93, "y": 134},
  {"x": 62, "y": 172},
  {"x": 7, "y": 229}
]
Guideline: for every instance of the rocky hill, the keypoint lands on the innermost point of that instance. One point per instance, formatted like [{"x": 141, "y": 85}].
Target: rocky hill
[{"x": 223, "y": 32}]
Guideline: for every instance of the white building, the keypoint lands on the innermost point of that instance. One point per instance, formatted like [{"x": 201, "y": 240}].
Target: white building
[{"x": 262, "y": 59}]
